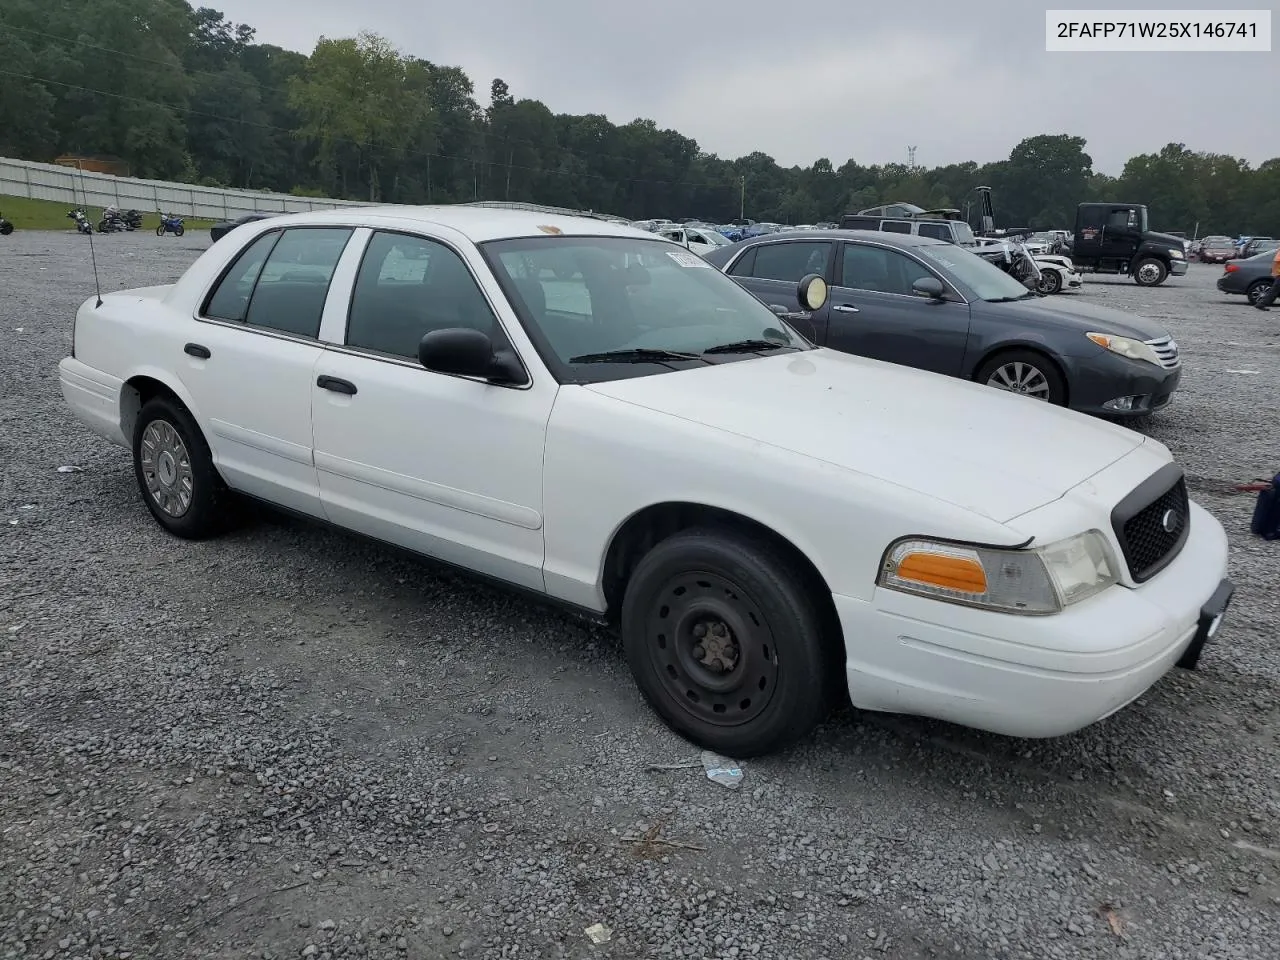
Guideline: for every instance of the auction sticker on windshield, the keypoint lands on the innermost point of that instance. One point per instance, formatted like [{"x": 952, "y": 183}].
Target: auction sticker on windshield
[{"x": 688, "y": 259}]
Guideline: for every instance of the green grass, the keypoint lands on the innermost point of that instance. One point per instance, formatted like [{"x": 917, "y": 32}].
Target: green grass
[{"x": 27, "y": 214}]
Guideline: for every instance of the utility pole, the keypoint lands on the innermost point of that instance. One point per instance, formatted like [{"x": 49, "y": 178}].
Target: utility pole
[
  {"x": 742, "y": 199},
  {"x": 911, "y": 158}
]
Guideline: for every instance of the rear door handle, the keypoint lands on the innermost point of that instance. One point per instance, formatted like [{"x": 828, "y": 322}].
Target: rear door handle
[
  {"x": 845, "y": 308},
  {"x": 336, "y": 385},
  {"x": 196, "y": 350}
]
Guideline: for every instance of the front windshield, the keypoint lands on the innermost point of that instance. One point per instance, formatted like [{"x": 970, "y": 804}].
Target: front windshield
[
  {"x": 587, "y": 296},
  {"x": 986, "y": 280},
  {"x": 714, "y": 238},
  {"x": 963, "y": 232}
]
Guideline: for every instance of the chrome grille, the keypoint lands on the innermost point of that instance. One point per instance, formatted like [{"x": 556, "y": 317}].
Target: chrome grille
[{"x": 1166, "y": 349}]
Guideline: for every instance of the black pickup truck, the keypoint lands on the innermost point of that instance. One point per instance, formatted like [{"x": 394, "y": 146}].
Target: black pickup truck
[{"x": 1116, "y": 238}]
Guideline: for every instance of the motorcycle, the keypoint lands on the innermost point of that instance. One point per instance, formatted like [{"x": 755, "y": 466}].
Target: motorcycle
[
  {"x": 6, "y": 227},
  {"x": 82, "y": 222},
  {"x": 170, "y": 223},
  {"x": 132, "y": 219},
  {"x": 112, "y": 221}
]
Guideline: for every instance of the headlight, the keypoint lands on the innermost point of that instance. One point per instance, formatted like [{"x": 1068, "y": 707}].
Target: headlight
[
  {"x": 1029, "y": 582},
  {"x": 1126, "y": 347},
  {"x": 1176, "y": 252}
]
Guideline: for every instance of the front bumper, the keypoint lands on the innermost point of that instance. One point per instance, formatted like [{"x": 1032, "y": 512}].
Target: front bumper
[
  {"x": 1103, "y": 376},
  {"x": 1177, "y": 268},
  {"x": 1036, "y": 676}
]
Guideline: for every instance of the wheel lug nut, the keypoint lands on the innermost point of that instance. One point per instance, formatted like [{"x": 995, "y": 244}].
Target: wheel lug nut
[
  {"x": 699, "y": 652},
  {"x": 700, "y": 630}
]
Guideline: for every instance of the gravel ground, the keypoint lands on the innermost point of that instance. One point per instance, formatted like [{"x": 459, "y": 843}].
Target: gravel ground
[{"x": 292, "y": 743}]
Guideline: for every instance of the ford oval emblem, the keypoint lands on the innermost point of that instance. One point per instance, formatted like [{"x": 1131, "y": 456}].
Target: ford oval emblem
[{"x": 1169, "y": 521}]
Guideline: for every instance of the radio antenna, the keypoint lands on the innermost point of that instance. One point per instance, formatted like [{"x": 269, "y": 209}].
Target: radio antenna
[{"x": 93, "y": 257}]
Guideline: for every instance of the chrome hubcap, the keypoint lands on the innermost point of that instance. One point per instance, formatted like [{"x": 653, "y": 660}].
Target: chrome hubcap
[
  {"x": 1148, "y": 272},
  {"x": 1023, "y": 378},
  {"x": 166, "y": 468}
]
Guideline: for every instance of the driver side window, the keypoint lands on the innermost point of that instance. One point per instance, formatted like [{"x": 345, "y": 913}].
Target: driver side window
[
  {"x": 879, "y": 269},
  {"x": 408, "y": 286}
]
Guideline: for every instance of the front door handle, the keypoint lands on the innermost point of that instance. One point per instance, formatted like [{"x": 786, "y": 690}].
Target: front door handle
[
  {"x": 336, "y": 385},
  {"x": 197, "y": 350},
  {"x": 845, "y": 308}
]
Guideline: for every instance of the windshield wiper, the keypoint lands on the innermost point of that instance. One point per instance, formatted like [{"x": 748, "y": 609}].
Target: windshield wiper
[
  {"x": 636, "y": 355},
  {"x": 746, "y": 346}
]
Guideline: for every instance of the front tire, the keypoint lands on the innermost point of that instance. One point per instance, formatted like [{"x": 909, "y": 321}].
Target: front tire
[
  {"x": 175, "y": 472},
  {"x": 179, "y": 230},
  {"x": 160, "y": 230},
  {"x": 1149, "y": 272},
  {"x": 726, "y": 642},
  {"x": 6, "y": 228},
  {"x": 1050, "y": 282},
  {"x": 1026, "y": 373}
]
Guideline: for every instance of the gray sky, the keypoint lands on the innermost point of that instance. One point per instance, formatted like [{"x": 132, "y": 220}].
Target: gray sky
[{"x": 960, "y": 79}]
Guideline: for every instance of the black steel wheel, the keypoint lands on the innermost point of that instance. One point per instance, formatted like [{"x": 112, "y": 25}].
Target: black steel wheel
[{"x": 727, "y": 643}]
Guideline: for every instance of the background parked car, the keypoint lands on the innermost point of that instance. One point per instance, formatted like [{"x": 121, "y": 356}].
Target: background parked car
[
  {"x": 1249, "y": 277},
  {"x": 929, "y": 304},
  {"x": 698, "y": 239},
  {"x": 1257, "y": 245},
  {"x": 220, "y": 230},
  {"x": 1217, "y": 249}
]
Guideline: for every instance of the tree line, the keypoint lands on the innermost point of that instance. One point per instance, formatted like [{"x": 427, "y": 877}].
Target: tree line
[{"x": 182, "y": 93}]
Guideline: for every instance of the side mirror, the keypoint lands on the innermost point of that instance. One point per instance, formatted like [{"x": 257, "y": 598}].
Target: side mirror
[
  {"x": 778, "y": 309},
  {"x": 464, "y": 352},
  {"x": 811, "y": 292},
  {"x": 930, "y": 288}
]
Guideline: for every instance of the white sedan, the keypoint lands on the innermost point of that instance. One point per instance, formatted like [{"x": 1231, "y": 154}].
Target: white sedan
[
  {"x": 698, "y": 239},
  {"x": 576, "y": 408}
]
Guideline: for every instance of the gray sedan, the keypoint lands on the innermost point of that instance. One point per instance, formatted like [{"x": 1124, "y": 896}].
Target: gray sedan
[
  {"x": 929, "y": 304},
  {"x": 1250, "y": 277}
]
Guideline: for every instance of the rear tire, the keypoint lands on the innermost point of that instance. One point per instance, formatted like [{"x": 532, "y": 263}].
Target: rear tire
[
  {"x": 6, "y": 228},
  {"x": 1149, "y": 272},
  {"x": 1026, "y": 373},
  {"x": 726, "y": 642},
  {"x": 1256, "y": 290},
  {"x": 175, "y": 472}
]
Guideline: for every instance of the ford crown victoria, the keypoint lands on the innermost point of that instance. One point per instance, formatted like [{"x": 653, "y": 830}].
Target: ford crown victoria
[{"x": 580, "y": 410}]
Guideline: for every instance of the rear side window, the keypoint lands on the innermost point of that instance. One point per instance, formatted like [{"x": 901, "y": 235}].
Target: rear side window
[
  {"x": 791, "y": 261},
  {"x": 230, "y": 300},
  {"x": 938, "y": 231},
  {"x": 896, "y": 226},
  {"x": 294, "y": 282},
  {"x": 280, "y": 282}
]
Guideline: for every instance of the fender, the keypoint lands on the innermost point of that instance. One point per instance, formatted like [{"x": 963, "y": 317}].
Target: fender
[{"x": 130, "y": 399}]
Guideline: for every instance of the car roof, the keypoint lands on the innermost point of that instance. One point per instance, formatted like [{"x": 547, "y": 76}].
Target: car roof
[
  {"x": 478, "y": 224},
  {"x": 880, "y": 236}
]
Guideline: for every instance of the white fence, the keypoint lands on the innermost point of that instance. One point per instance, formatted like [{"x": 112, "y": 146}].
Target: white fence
[{"x": 47, "y": 181}]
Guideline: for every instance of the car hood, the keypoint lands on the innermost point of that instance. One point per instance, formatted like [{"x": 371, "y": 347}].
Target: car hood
[
  {"x": 1084, "y": 316},
  {"x": 994, "y": 453},
  {"x": 1152, "y": 237}
]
